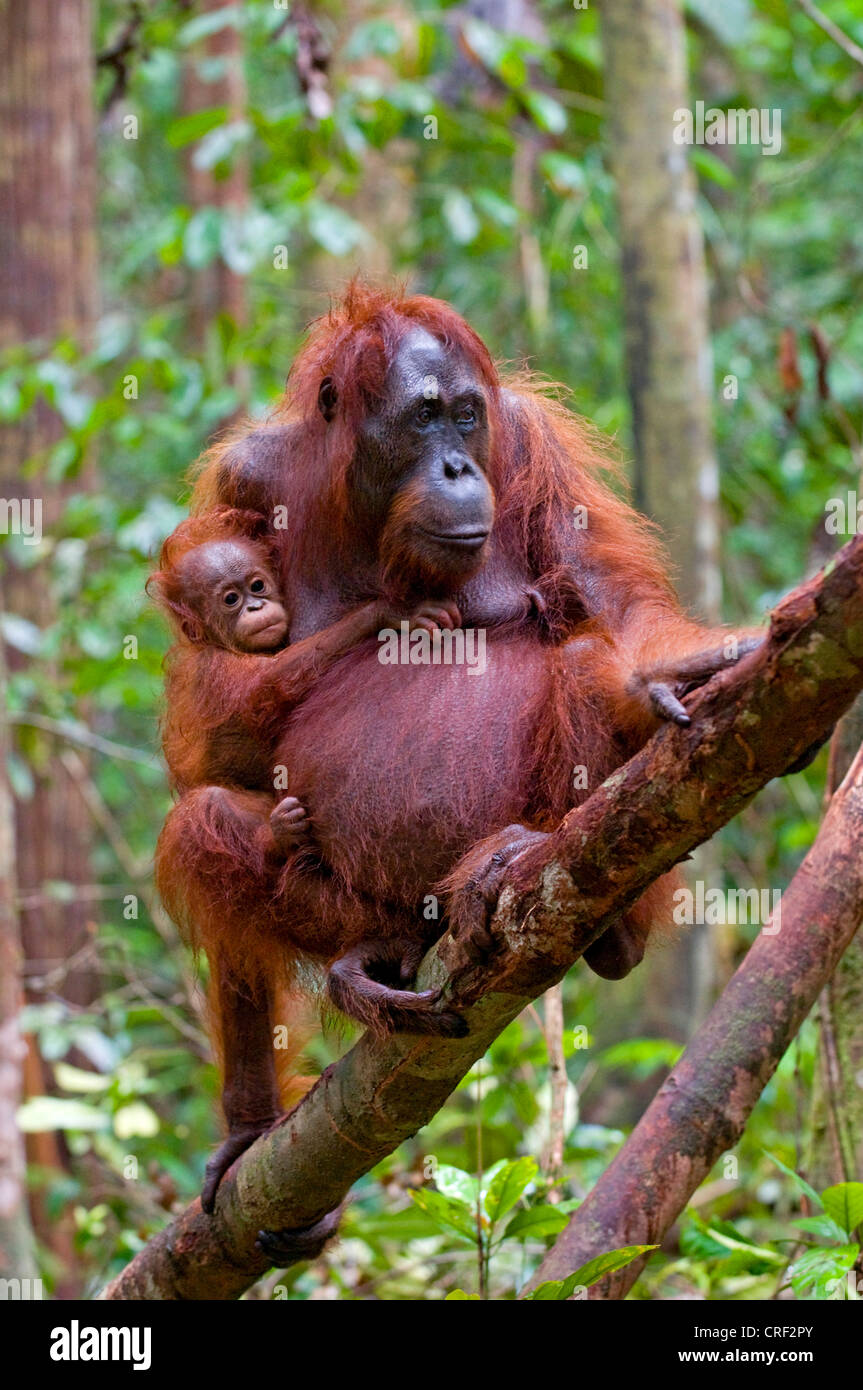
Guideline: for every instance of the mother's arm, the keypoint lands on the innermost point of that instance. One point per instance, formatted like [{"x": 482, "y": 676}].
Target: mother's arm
[{"x": 247, "y": 470}]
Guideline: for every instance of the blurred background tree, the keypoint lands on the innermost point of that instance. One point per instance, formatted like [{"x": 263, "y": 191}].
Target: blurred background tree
[{"x": 248, "y": 158}]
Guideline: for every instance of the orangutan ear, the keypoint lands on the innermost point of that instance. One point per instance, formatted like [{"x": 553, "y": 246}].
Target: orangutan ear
[{"x": 327, "y": 398}]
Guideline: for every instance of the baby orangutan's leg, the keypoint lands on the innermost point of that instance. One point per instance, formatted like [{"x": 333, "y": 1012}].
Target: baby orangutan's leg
[{"x": 250, "y": 1097}]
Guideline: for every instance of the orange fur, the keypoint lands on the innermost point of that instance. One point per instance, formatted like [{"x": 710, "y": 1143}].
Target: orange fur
[{"x": 404, "y": 769}]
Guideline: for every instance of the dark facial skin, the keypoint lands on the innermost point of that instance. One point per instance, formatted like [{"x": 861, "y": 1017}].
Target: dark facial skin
[
  {"x": 231, "y": 586},
  {"x": 419, "y": 475}
]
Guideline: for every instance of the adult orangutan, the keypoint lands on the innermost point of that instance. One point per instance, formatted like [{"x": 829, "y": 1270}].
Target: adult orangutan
[{"x": 398, "y": 465}]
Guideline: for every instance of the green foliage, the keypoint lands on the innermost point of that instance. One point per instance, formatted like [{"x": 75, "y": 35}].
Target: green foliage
[
  {"x": 558, "y": 1290},
  {"x": 484, "y": 208}
]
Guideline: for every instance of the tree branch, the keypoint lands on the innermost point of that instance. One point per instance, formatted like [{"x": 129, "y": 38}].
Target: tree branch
[
  {"x": 701, "y": 1109},
  {"x": 837, "y": 35},
  {"x": 751, "y": 724}
]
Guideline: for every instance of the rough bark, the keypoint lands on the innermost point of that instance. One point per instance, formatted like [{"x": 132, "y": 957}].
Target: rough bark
[
  {"x": 751, "y": 724},
  {"x": 48, "y": 290},
  {"x": 701, "y": 1110}
]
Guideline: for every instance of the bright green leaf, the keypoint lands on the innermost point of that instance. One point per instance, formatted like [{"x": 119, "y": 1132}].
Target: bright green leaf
[
  {"x": 844, "y": 1203},
  {"x": 508, "y": 1185},
  {"x": 558, "y": 1290},
  {"x": 53, "y": 1112},
  {"x": 457, "y": 1184},
  {"x": 548, "y": 114},
  {"x": 447, "y": 1213},
  {"x": 537, "y": 1223}
]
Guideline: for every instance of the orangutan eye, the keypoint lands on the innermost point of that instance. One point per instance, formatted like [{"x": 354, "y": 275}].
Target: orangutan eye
[
  {"x": 424, "y": 415},
  {"x": 466, "y": 417},
  {"x": 231, "y": 598},
  {"x": 257, "y": 586}
]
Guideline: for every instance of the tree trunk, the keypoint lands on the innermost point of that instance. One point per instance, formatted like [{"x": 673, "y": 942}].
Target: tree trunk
[
  {"x": 47, "y": 289},
  {"x": 216, "y": 288},
  {"x": 669, "y": 369},
  {"x": 668, "y": 353}
]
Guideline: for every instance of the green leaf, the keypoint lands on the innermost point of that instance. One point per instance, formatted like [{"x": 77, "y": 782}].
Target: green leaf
[
  {"x": 729, "y": 21},
  {"x": 187, "y": 129},
  {"x": 459, "y": 1296},
  {"x": 537, "y": 1222},
  {"x": 844, "y": 1203},
  {"x": 246, "y": 238},
  {"x": 495, "y": 208},
  {"x": 333, "y": 229},
  {"x": 800, "y": 1183},
  {"x": 210, "y": 23},
  {"x": 21, "y": 778},
  {"x": 726, "y": 1235},
  {"x": 820, "y": 1270},
  {"x": 547, "y": 113},
  {"x": 201, "y": 238},
  {"x": 508, "y": 1185},
  {"x": 557, "y": 1290},
  {"x": 709, "y": 167},
  {"x": 71, "y": 1078},
  {"x": 549, "y": 1292},
  {"x": 450, "y": 1215},
  {"x": 609, "y": 1263},
  {"x": 220, "y": 143},
  {"x": 586, "y": 1140},
  {"x": 644, "y": 1055},
  {"x": 457, "y": 1184},
  {"x": 564, "y": 174},
  {"x": 53, "y": 1112},
  {"x": 460, "y": 216},
  {"x": 823, "y": 1226},
  {"x": 374, "y": 37},
  {"x": 493, "y": 51},
  {"x": 136, "y": 1119},
  {"x": 21, "y": 634}
]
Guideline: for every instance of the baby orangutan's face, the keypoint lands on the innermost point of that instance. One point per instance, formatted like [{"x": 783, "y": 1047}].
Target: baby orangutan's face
[{"x": 231, "y": 585}]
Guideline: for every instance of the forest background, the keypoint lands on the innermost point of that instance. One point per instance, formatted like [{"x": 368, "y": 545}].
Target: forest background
[{"x": 184, "y": 185}]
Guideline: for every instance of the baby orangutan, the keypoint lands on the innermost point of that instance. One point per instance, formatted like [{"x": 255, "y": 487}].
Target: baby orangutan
[
  {"x": 232, "y": 668},
  {"x": 230, "y": 587}
]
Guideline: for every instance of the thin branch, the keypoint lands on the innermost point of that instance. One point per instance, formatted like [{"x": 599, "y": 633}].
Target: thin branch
[
  {"x": 73, "y": 732},
  {"x": 836, "y": 34},
  {"x": 553, "y": 1157},
  {"x": 118, "y": 58}
]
